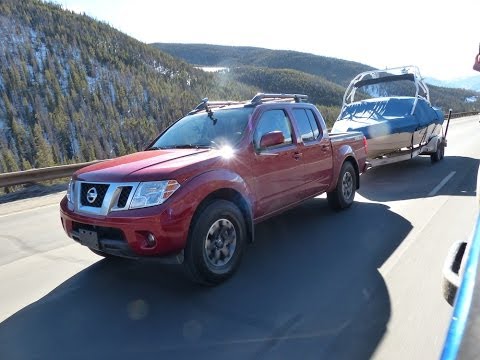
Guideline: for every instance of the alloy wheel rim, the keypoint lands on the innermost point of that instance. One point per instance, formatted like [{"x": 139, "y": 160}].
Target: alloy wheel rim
[
  {"x": 347, "y": 185},
  {"x": 220, "y": 242}
]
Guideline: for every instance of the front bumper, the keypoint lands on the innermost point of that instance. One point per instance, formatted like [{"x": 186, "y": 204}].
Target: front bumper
[{"x": 124, "y": 233}]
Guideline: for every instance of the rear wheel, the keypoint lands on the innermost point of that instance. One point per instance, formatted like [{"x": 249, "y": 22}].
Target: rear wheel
[
  {"x": 216, "y": 243},
  {"x": 343, "y": 195}
]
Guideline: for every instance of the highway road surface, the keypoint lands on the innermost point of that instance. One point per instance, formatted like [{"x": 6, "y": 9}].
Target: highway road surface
[{"x": 360, "y": 284}]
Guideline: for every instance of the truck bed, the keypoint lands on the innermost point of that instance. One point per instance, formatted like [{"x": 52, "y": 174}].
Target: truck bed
[{"x": 349, "y": 135}]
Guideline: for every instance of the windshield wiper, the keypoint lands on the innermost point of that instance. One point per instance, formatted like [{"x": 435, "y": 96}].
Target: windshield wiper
[
  {"x": 184, "y": 146},
  {"x": 190, "y": 146},
  {"x": 156, "y": 148}
]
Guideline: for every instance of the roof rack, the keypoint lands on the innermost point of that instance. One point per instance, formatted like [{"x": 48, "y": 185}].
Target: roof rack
[
  {"x": 206, "y": 105},
  {"x": 257, "y": 99},
  {"x": 261, "y": 97}
]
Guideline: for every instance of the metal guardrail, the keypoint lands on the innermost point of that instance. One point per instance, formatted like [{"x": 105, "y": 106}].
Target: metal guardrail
[
  {"x": 56, "y": 172},
  {"x": 43, "y": 174},
  {"x": 463, "y": 114}
]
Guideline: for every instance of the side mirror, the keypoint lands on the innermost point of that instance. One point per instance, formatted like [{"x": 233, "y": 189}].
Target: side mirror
[
  {"x": 271, "y": 139},
  {"x": 476, "y": 64}
]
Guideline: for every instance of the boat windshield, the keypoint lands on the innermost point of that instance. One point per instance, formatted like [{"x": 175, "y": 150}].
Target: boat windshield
[
  {"x": 401, "y": 81},
  {"x": 401, "y": 87}
]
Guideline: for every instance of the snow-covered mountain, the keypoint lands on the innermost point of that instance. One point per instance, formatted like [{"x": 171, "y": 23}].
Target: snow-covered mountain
[{"x": 469, "y": 82}]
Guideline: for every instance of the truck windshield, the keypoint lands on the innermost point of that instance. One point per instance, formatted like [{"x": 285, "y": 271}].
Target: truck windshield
[{"x": 215, "y": 129}]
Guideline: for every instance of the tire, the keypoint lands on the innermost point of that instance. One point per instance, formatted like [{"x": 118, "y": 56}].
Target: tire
[
  {"x": 439, "y": 154},
  {"x": 343, "y": 195},
  {"x": 216, "y": 243}
]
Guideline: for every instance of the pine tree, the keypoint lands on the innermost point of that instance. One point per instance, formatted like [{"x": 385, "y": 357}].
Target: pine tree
[
  {"x": 21, "y": 139},
  {"x": 3, "y": 164},
  {"x": 26, "y": 165},
  {"x": 9, "y": 159},
  {"x": 44, "y": 156}
]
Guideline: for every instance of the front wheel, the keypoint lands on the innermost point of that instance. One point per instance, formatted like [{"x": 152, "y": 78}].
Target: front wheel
[
  {"x": 343, "y": 195},
  {"x": 216, "y": 242}
]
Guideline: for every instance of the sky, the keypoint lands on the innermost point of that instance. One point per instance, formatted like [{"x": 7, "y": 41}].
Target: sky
[{"x": 441, "y": 39}]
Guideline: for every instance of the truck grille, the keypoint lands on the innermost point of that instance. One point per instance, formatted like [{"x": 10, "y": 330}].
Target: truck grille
[
  {"x": 122, "y": 199},
  {"x": 93, "y": 194}
]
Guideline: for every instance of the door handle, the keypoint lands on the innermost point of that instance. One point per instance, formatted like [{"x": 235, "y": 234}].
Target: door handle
[{"x": 297, "y": 155}]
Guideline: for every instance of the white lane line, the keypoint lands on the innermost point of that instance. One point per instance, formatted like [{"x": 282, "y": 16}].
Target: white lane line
[
  {"x": 414, "y": 235},
  {"x": 28, "y": 210},
  {"x": 437, "y": 188}
]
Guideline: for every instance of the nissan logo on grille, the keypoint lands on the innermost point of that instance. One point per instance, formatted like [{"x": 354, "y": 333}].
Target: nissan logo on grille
[{"x": 92, "y": 195}]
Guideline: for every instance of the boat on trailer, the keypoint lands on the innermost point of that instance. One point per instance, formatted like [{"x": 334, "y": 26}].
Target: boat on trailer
[{"x": 396, "y": 127}]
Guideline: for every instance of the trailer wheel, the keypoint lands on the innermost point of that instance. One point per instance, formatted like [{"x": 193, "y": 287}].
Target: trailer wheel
[
  {"x": 439, "y": 154},
  {"x": 216, "y": 243},
  {"x": 343, "y": 195}
]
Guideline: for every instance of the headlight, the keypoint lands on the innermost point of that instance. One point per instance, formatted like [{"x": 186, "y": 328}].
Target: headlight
[
  {"x": 153, "y": 193},
  {"x": 70, "y": 188}
]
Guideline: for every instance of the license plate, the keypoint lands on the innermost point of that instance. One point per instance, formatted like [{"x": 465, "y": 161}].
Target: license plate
[{"x": 88, "y": 238}]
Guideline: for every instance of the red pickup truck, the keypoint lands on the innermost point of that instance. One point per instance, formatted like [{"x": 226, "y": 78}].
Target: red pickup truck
[{"x": 194, "y": 195}]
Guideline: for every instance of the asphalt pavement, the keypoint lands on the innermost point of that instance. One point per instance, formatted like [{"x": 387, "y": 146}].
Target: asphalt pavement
[{"x": 317, "y": 284}]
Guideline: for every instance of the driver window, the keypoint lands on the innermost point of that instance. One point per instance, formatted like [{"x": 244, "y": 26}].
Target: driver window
[{"x": 273, "y": 120}]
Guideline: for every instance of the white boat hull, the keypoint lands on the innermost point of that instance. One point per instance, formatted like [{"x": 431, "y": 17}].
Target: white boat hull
[{"x": 386, "y": 144}]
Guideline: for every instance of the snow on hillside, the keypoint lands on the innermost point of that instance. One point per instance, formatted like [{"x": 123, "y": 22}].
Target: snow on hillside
[{"x": 469, "y": 83}]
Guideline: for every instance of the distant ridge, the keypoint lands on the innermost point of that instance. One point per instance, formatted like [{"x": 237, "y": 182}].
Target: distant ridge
[
  {"x": 328, "y": 70},
  {"x": 468, "y": 83},
  {"x": 335, "y": 70}
]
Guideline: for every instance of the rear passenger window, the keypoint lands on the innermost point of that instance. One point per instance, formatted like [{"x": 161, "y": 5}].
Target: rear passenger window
[
  {"x": 273, "y": 120},
  {"x": 306, "y": 124},
  {"x": 313, "y": 123}
]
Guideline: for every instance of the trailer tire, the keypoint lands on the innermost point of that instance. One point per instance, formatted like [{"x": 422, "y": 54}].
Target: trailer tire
[
  {"x": 439, "y": 154},
  {"x": 343, "y": 195}
]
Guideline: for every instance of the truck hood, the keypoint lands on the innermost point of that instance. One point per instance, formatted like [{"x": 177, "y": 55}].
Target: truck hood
[{"x": 178, "y": 164}]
